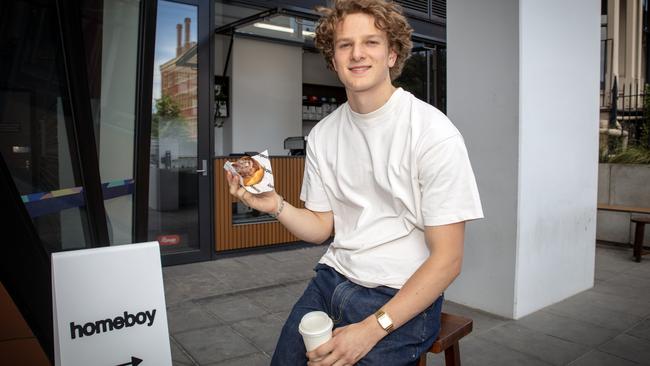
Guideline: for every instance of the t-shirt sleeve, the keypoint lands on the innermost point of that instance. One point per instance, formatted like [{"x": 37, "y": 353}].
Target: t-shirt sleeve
[
  {"x": 447, "y": 183},
  {"x": 312, "y": 192}
]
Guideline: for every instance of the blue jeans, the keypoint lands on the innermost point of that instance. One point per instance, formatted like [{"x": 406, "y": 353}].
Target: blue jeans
[{"x": 348, "y": 303}]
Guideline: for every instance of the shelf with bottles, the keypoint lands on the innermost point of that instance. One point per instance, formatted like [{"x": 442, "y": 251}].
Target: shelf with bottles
[{"x": 320, "y": 100}]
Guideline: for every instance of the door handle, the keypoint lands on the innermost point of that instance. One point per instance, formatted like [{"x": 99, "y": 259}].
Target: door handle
[{"x": 204, "y": 168}]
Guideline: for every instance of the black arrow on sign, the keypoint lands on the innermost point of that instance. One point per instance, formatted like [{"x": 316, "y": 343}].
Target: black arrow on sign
[{"x": 134, "y": 362}]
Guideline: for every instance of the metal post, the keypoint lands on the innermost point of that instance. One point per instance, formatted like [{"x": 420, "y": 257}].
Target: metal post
[
  {"x": 646, "y": 33},
  {"x": 613, "y": 109}
]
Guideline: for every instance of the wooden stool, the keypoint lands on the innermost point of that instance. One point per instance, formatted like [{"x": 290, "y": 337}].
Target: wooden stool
[
  {"x": 638, "y": 236},
  {"x": 452, "y": 329}
]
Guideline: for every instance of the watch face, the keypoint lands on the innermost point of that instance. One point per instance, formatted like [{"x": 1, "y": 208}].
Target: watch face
[{"x": 384, "y": 321}]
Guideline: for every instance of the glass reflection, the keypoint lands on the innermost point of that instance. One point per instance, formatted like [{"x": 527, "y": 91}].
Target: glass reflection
[
  {"x": 173, "y": 183},
  {"x": 35, "y": 124}
]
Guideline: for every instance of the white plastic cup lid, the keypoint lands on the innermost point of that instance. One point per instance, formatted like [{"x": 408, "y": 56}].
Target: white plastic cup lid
[{"x": 315, "y": 323}]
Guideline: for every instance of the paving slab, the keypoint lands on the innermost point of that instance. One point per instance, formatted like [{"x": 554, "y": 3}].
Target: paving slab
[
  {"x": 567, "y": 328},
  {"x": 604, "y": 275},
  {"x": 273, "y": 299},
  {"x": 256, "y": 359},
  {"x": 641, "y": 269},
  {"x": 598, "y": 358},
  {"x": 595, "y": 314},
  {"x": 181, "y": 270},
  {"x": 178, "y": 355},
  {"x": 291, "y": 255},
  {"x": 175, "y": 293},
  {"x": 282, "y": 316},
  {"x": 223, "y": 265},
  {"x": 612, "y": 302},
  {"x": 629, "y": 347},
  {"x": 233, "y": 308},
  {"x": 201, "y": 284},
  {"x": 614, "y": 259},
  {"x": 550, "y": 349},
  {"x": 481, "y": 352},
  {"x": 262, "y": 331},
  {"x": 642, "y": 330},
  {"x": 189, "y": 316},
  {"x": 627, "y": 286},
  {"x": 214, "y": 344},
  {"x": 298, "y": 287},
  {"x": 482, "y": 321}
]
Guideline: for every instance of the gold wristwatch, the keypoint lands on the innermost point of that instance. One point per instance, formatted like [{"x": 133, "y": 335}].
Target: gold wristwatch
[{"x": 384, "y": 320}]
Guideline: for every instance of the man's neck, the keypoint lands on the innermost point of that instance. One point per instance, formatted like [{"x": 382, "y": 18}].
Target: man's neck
[{"x": 370, "y": 100}]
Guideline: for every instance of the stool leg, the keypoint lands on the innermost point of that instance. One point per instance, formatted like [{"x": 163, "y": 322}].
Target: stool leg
[
  {"x": 452, "y": 355},
  {"x": 638, "y": 240},
  {"x": 423, "y": 359}
]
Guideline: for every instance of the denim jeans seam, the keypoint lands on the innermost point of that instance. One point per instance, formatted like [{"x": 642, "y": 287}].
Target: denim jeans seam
[
  {"x": 337, "y": 289},
  {"x": 344, "y": 301},
  {"x": 348, "y": 290}
]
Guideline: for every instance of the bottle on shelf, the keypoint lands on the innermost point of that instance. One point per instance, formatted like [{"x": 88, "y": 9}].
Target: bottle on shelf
[
  {"x": 325, "y": 105},
  {"x": 305, "y": 107},
  {"x": 333, "y": 104},
  {"x": 313, "y": 103}
]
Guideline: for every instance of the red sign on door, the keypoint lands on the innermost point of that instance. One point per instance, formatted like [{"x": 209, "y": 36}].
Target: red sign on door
[{"x": 169, "y": 239}]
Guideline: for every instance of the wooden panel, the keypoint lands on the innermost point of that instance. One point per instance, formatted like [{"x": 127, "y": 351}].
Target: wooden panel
[
  {"x": 288, "y": 172},
  {"x": 18, "y": 346}
]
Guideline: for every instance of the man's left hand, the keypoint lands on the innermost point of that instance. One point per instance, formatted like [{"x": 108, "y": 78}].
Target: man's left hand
[{"x": 348, "y": 344}]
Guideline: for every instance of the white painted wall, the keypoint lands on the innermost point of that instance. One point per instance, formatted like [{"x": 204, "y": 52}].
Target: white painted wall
[
  {"x": 482, "y": 52},
  {"x": 558, "y": 150},
  {"x": 535, "y": 156},
  {"x": 266, "y": 96},
  {"x": 315, "y": 71}
]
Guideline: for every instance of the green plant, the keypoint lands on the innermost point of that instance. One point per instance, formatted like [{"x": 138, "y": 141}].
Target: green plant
[
  {"x": 167, "y": 114},
  {"x": 632, "y": 155}
]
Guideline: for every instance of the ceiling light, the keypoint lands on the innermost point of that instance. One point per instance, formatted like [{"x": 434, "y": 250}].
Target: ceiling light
[{"x": 273, "y": 27}]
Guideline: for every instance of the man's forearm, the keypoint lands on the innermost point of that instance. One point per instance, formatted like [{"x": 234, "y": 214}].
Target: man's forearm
[
  {"x": 305, "y": 224},
  {"x": 430, "y": 279},
  {"x": 422, "y": 289}
]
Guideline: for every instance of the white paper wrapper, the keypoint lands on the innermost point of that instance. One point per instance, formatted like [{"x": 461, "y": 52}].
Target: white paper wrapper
[{"x": 266, "y": 184}]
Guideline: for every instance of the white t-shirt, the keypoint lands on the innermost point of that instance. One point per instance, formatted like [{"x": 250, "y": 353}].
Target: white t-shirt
[{"x": 385, "y": 175}]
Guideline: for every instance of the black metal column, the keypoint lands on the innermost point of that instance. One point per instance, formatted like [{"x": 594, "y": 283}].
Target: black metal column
[
  {"x": 646, "y": 33},
  {"x": 144, "y": 94},
  {"x": 74, "y": 59}
]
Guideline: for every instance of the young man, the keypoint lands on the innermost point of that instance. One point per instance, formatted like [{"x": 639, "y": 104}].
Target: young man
[{"x": 391, "y": 175}]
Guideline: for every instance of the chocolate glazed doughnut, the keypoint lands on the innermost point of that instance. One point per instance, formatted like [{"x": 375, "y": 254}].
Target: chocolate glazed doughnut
[{"x": 250, "y": 170}]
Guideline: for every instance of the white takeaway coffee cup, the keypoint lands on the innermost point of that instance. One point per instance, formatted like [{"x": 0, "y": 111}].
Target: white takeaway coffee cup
[{"x": 316, "y": 329}]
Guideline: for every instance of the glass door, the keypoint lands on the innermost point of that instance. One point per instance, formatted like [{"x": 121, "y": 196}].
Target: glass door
[
  {"x": 424, "y": 74},
  {"x": 178, "y": 216}
]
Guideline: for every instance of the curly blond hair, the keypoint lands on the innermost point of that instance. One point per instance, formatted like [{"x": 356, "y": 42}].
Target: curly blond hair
[{"x": 388, "y": 18}]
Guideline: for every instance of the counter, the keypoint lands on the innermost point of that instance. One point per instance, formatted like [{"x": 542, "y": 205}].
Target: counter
[{"x": 234, "y": 231}]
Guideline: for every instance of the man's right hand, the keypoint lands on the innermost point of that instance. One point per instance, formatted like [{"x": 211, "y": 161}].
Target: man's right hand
[
  {"x": 266, "y": 202},
  {"x": 307, "y": 225}
]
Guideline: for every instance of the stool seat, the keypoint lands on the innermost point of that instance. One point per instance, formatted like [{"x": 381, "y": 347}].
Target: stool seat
[{"x": 452, "y": 329}]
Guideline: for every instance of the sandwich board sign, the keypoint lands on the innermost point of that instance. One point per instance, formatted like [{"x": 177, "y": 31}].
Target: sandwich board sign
[{"x": 109, "y": 307}]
